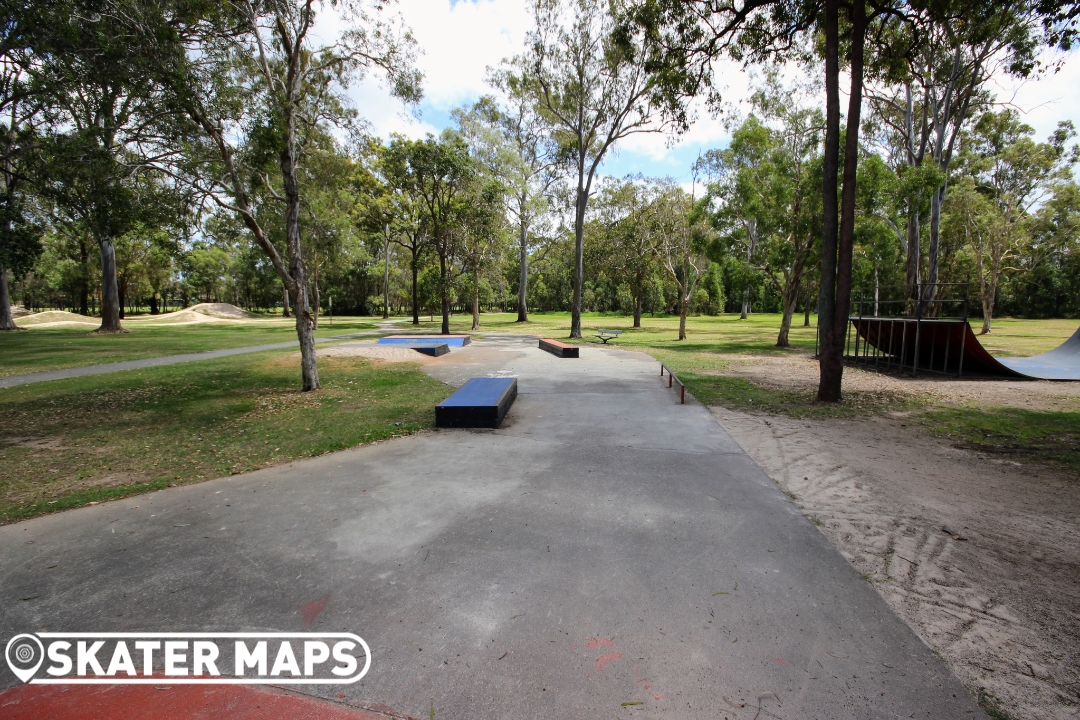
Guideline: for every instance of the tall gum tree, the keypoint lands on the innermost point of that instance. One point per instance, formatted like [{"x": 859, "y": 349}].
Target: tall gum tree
[
  {"x": 232, "y": 66},
  {"x": 587, "y": 75},
  {"x": 690, "y": 35},
  {"x": 440, "y": 174},
  {"x": 927, "y": 81},
  {"x": 109, "y": 122},
  {"x": 511, "y": 140}
]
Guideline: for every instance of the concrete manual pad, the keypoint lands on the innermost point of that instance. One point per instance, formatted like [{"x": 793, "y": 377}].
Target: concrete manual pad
[{"x": 607, "y": 553}]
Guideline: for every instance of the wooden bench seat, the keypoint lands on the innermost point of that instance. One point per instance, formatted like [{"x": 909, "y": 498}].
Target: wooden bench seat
[{"x": 559, "y": 349}]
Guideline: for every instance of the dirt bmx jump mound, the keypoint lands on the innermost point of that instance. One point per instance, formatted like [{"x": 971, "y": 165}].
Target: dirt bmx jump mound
[{"x": 951, "y": 347}]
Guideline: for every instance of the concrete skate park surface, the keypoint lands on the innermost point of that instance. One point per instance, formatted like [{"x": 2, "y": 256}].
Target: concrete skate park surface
[{"x": 607, "y": 552}]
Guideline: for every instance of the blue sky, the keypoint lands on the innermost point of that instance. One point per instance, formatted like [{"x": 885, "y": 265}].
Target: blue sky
[{"x": 460, "y": 39}]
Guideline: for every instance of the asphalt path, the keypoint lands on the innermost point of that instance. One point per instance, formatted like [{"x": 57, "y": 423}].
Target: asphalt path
[{"x": 607, "y": 553}]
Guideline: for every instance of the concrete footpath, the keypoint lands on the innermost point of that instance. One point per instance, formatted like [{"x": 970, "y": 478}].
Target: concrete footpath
[
  {"x": 607, "y": 553},
  {"x": 85, "y": 370}
]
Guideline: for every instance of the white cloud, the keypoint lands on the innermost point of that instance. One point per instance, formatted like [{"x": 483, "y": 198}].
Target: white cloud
[
  {"x": 1044, "y": 101},
  {"x": 457, "y": 42},
  {"x": 460, "y": 40}
]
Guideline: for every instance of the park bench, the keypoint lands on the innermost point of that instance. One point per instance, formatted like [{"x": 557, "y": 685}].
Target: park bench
[
  {"x": 559, "y": 349},
  {"x": 479, "y": 403},
  {"x": 606, "y": 335}
]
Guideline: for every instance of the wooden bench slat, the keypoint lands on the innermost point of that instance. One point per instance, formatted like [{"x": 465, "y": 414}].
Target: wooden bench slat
[{"x": 559, "y": 349}]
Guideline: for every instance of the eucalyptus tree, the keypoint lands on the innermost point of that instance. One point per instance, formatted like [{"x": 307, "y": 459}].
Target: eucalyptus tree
[
  {"x": 512, "y": 141},
  {"x": 440, "y": 175},
  {"x": 692, "y": 34},
  {"x": 20, "y": 246},
  {"x": 928, "y": 79},
  {"x": 587, "y": 76},
  {"x": 623, "y": 206},
  {"x": 681, "y": 239},
  {"x": 765, "y": 191},
  {"x": 108, "y": 123},
  {"x": 482, "y": 225},
  {"x": 1008, "y": 178},
  {"x": 251, "y": 66}
]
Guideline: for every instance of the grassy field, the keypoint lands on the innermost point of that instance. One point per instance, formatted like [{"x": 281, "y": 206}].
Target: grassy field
[
  {"x": 66, "y": 443},
  {"x": 69, "y": 442},
  {"x": 53, "y": 348}
]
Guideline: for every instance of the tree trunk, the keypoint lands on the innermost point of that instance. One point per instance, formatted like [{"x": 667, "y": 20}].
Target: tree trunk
[
  {"x": 789, "y": 300},
  {"x": 877, "y": 291},
  {"x": 637, "y": 310},
  {"x": 309, "y": 372},
  {"x": 806, "y": 310},
  {"x": 914, "y": 258},
  {"x": 121, "y": 294},
  {"x": 154, "y": 310},
  {"x": 415, "y": 296},
  {"x": 829, "y": 359},
  {"x": 579, "y": 259},
  {"x": 386, "y": 280},
  {"x": 110, "y": 298},
  {"x": 523, "y": 277},
  {"x": 745, "y": 304},
  {"x": 444, "y": 292},
  {"x": 7, "y": 322},
  {"x": 684, "y": 305},
  {"x": 933, "y": 259},
  {"x": 476, "y": 300},
  {"x": 832, "y": 361},
  {"x": 285, "y": 302},
  {"x": 988, "y": 308},
  {"x": 315, "y": 305},
  {"x": 84, "y": 280}
]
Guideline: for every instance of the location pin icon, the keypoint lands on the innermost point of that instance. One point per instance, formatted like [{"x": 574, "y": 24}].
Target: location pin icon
[{"x": 24, "y": 656}]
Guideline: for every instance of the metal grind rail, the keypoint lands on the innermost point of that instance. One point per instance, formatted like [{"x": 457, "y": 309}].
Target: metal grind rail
[{"x": 672, "y": 379}]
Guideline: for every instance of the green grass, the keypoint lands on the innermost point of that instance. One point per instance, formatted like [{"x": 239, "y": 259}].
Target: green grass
[
  {"x": 1050, "y": 437},
  {"x": 1023, "y": 338},
  {"x": 53, "y": 348},
  {"x": 720, "y": 333},
  {"x": 991, "y": 705},
  {"x": 70, "y": 442}
]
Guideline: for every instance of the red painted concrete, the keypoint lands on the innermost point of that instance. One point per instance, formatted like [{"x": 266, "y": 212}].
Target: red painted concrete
[{"x": 176, "y": 702}]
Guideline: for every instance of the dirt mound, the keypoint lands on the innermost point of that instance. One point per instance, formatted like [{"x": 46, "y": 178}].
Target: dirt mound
[
  {"x": 200, "y": 313},
  {"x": 55, "y": 317},
  {"x": 180, "y": 317},
  {"x": 19, "y": 311},
  {"x": 225, "y": 311},
  {"x": 375, "y": 352}
]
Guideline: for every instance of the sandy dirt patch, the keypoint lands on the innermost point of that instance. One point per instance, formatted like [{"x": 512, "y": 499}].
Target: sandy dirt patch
[
  {"x": 799, "y": 372},
  {"x": 199, "y": 313},
  {"x": 385, "y": 353},
  {"x": 54, "y": 318},
  {"x": 981, "y": 556}
]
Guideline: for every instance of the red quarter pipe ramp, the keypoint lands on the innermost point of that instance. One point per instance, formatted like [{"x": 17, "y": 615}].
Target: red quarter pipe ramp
[{"x": 950, "y": 346}]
